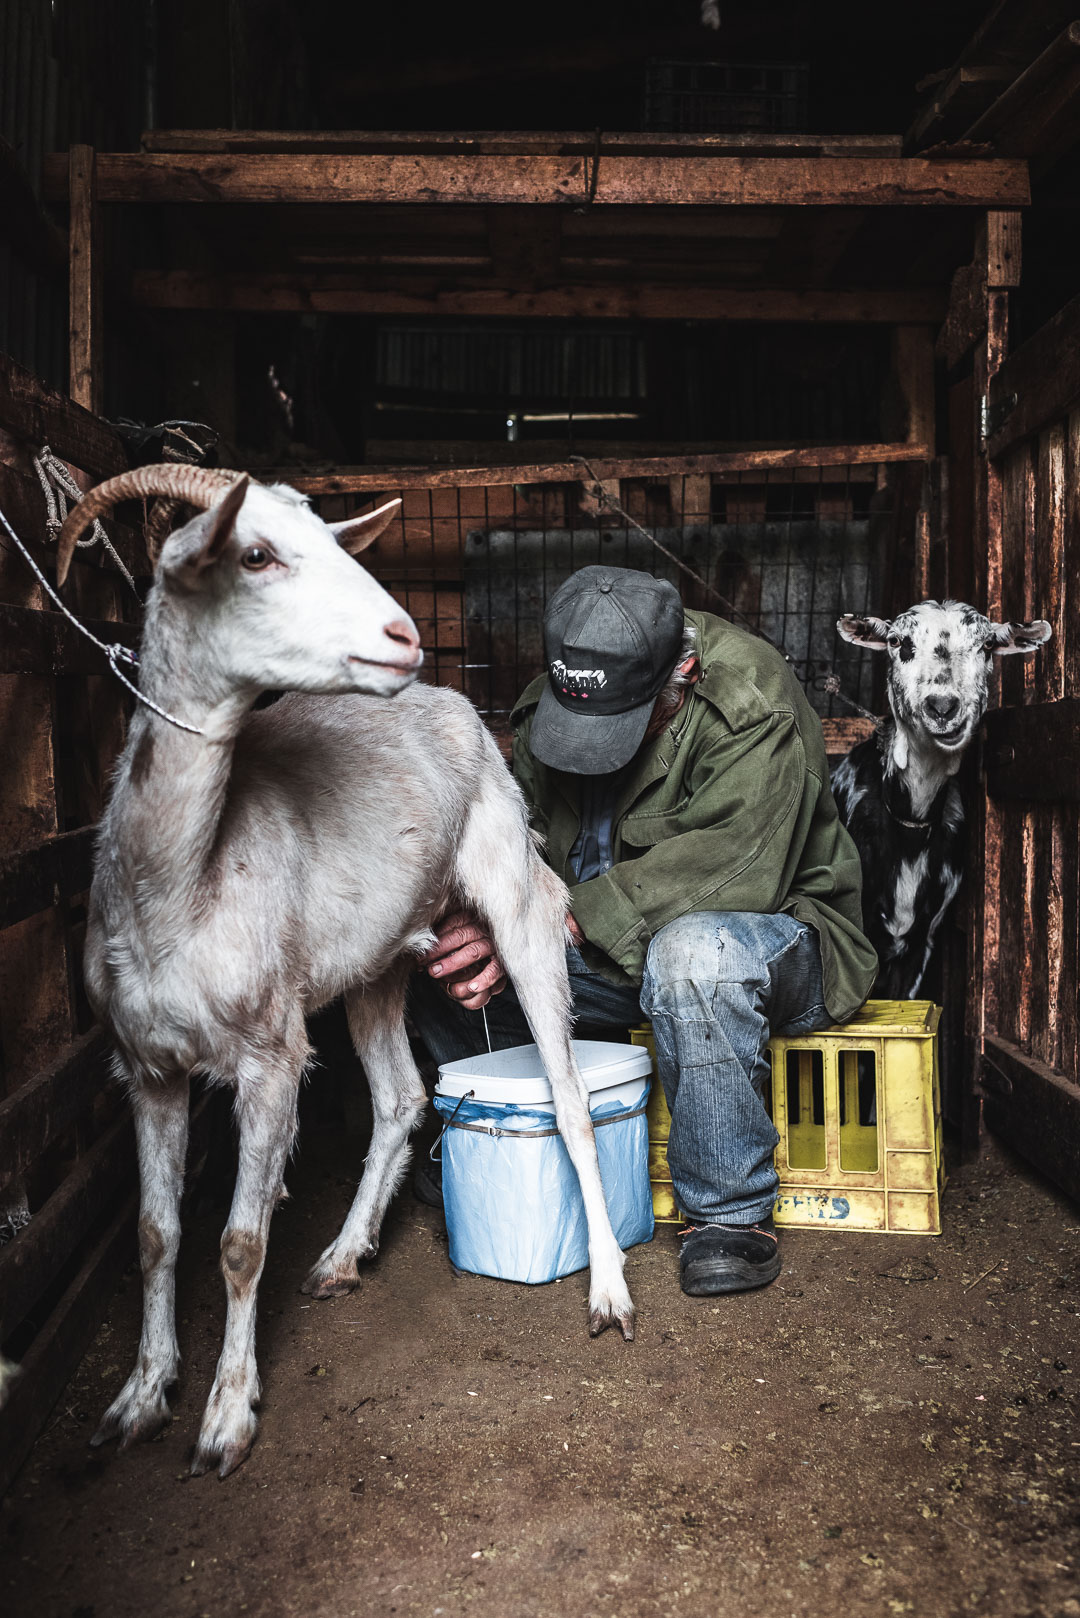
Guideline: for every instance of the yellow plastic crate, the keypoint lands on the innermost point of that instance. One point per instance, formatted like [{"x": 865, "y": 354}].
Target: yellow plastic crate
[{"x": 858, "y": 1110}]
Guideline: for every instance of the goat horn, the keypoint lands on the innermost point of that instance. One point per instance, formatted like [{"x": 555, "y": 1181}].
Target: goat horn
[{"x": 198, "y": 486}]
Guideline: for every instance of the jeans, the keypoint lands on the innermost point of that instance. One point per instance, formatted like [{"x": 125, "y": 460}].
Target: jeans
[{"x": 715, "y": 986}]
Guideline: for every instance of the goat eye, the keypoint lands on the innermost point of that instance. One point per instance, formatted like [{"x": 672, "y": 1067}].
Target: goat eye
[
  {"x": 893, "y": 641},
  {"x": 255, "y": 558}
]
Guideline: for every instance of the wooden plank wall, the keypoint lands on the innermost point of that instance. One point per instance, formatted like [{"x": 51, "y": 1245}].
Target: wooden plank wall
[
  {"x": 66, "y": 1149},
  {"x": 1038, "y": 982}
]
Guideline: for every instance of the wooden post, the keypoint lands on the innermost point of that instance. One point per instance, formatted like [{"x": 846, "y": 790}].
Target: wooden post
[
  {"x": 84, "y": 287},
  {"x": 998, "y": 249},
  {"x": 913, "y": 364}
]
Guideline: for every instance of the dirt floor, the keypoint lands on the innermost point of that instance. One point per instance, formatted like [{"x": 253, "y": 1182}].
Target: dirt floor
[{"x": 889, "y": 1428}]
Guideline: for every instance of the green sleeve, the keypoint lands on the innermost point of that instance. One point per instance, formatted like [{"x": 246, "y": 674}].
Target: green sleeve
[{"x": 750, "y": 789}]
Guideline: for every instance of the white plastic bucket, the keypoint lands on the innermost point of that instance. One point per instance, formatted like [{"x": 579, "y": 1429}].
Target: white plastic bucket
[{"x": 511, "y": 1195}]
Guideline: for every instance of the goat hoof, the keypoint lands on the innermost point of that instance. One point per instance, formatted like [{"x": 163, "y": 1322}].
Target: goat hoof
[
  {"x": 601, "y": 1319},
  {"x": 226, "y": 1460},
  {"x": 332, "y": 1277},
  {"x": 329, "y": 1286},
  {"x": 138, "y": 1414}
]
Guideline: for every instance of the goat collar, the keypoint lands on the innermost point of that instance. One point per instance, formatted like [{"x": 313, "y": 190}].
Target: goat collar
[{"x": 912, "y": 825}]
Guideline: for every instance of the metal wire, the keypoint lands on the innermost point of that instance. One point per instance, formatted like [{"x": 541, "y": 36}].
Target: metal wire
[{"x": 115, "y": 653}]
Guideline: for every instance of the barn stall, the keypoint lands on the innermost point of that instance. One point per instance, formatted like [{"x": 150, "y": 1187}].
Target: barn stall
[{"x": 798, "y": 374}]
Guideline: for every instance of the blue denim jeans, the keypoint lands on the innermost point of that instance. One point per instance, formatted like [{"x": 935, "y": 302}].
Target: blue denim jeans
[{"x": 716, "y": 986}]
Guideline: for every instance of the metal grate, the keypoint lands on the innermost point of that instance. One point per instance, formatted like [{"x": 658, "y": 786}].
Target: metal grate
[
  {"x": 725, "y": 97},
  {"x": 790, "y": 550}
]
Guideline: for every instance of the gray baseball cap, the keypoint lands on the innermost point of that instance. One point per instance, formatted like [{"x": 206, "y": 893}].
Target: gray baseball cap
[{"x": 612, "y": 637}]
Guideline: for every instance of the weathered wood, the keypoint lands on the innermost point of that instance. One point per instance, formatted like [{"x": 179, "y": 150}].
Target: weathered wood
[
  {"x": 282, "y": 177},
  {"x": 913, "y": 365},
  {"x": 60, "y": 1345},
  {"x": 35, "y": 1113},
  {"x": 351, "y": 294},
  {"x": 965, "y": 320},
  {"x": 47, "y": 643},
  {"x": 35, "y": 878},
  {"x": 84, "y": 300},
  {"x": 39, "y": 415},
  {"x": 1038, "y": 383},
  {"x": 841, "y": 735},
  {"x": 361, "y": 479},
  {"x": 30, "y": 1263},
  {"x": 1038, "y": 114},
  {"x": 962, "y": 92},
  {"x": 1033, "y": 752},
  {"x": 507, "y": 143},
  {"x": 998, "y": 247},
  {"x": 24, "y": 506},
  {"x": 1035, "y": 1108}
]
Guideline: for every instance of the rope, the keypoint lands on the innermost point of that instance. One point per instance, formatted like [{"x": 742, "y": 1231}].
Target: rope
[
  {"x": 58, "y": 486},
  {"x": 115, "y": 653}
]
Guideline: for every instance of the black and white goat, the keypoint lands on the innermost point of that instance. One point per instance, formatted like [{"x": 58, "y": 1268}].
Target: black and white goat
[{"x": 896, "y": 791}]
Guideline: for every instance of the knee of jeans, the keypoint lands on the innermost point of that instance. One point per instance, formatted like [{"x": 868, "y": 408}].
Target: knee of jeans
[{"x": 699, "y": 952}]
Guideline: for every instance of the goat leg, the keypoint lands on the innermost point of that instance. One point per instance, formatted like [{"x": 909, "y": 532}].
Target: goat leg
[
  {"x": 266, "y": 1106},
  {"x": 141, "y": 1409},
  {"x": 376, "y": 1022},
  {"x": 524, "y": 903}
]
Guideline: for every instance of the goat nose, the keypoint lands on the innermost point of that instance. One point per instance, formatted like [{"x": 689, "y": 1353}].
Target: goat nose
[
  {"x": 943, "y": 707},
  {"x": 403, "y": 634}
]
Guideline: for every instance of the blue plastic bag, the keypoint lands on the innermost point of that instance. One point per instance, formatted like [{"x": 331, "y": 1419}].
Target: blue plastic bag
[{"x": 513, "y": 1205}]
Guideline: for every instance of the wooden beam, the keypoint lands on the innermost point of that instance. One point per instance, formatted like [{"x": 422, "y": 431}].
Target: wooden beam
[
  {"x": 622, "y": 181},
  {"x": 1032, "y": 752},
  {"x": 1034, "y": 1108},
  {"x": 40, "y": 415},
  {"x": 60, "y": 1345},
  {"x": 35, "y": 878},
  {"x": 1038, "y": 383},
  {"x": 34, "y": 642},
  {"x": 1038, "y": 115},
  {"x": 31, "y": 1263},
  {"x": 995, "y": 266},
  {"x": 34, "y": 1114},
  {"x": 24, "y": 507},
  {"x": 344, "y": 294},
  {"x": 505, "y": 143},
  {"x": 962, "y": 93},
  {"x": 913, "y": 365},
  {"x": 84, "y": 289},
  {"x": 369, "y": 479}
]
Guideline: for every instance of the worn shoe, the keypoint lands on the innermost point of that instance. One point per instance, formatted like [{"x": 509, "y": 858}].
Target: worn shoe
[{"x": 728, "y": 1258}]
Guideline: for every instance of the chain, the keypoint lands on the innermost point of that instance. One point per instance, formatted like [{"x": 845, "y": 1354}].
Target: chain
[
  {"x": 58, "y": 486},
  {"x": 115, "y": 653}
]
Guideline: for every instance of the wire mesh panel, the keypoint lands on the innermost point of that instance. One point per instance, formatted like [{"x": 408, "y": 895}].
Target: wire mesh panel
[
  {"x": 725, "y": 97},
  {"x": 782, "y": 553}
]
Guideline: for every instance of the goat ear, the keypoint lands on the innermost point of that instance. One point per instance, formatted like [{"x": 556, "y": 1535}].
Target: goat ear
[
  {"x": 862, "y": 631},
  {"x": 1024, "y": 638},
  {"x": 355, "y": 534},
  {"x": 220, "y": 522}
]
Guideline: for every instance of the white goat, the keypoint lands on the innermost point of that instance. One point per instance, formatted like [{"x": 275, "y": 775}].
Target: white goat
[{"x": 250, "y": 872}]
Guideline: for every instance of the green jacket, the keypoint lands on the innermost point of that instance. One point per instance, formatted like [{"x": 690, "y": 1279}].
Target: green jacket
[{"x": 728, "y": 809}]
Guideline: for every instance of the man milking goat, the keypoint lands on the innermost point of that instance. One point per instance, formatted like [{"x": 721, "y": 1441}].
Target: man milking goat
[{"x": 678, "y": 776}]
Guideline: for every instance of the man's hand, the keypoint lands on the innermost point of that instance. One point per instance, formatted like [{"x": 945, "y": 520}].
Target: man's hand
[
  {"x": 576, "y": 934},
  {"x": 464, "y": 959}
]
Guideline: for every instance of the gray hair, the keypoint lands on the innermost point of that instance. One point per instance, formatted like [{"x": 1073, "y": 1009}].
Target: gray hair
[{"x": 671, "y": 693}]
